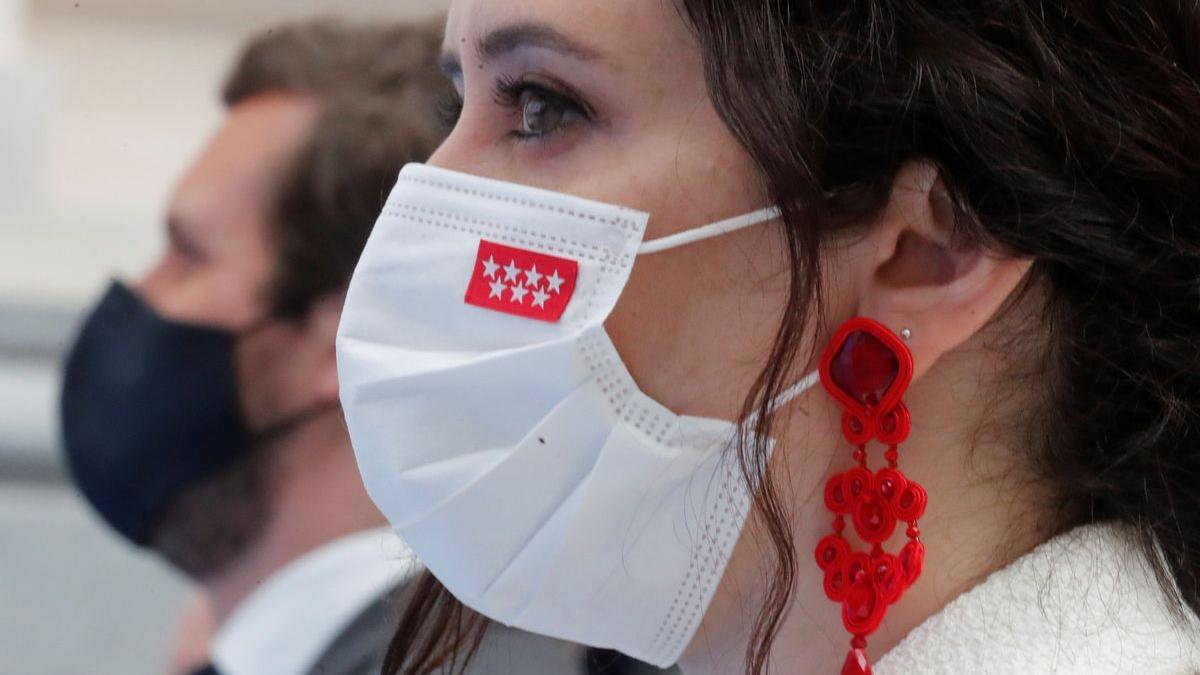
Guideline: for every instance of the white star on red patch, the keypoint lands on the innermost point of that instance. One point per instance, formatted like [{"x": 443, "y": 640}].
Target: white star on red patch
[
  {"x": 490, "y": 268},
  {"x": 539, "y": 298},
  {"x": 555, "y": 282},
  {"x": 533, "y": 278},
  {"x": 518, "y": 294},
  {"x": 498, "y": 289},
  {"x": 511, "y": 271}
]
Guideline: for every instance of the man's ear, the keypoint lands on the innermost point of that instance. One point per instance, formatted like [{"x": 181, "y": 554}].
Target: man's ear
[
  {"x": 321, "y": 326},
  {"x": 926, "y": 279}
]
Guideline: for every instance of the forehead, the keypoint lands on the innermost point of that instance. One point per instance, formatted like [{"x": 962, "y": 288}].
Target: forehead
[
  {"x": 235, "y": 177},
  {"x": 624, "y": 33}
]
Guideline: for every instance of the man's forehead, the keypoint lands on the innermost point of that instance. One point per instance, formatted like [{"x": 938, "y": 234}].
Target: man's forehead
[{"x": 238, "y": 171}]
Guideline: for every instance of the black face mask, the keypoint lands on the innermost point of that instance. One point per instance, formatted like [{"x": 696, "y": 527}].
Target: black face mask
[{"x": 149, "y": 408}]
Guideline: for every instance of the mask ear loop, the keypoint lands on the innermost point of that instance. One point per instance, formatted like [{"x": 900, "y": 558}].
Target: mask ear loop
[
  {"x": 787, "y": 396},
  {"x": 717, "y": 229},
  {"x": 793, "y": 392},
  {"x": 709, "y": 231},
  {"x": 284, "y": 427},
  {"x": 748, "y": 425},
  {"x": 280, "y": 428}
]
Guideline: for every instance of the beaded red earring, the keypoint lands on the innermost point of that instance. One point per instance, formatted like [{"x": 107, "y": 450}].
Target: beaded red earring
[{"x": 867, "y": 369}]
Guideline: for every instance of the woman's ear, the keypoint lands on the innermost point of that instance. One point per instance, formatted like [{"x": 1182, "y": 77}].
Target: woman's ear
[{"x": 925, "y": 278}]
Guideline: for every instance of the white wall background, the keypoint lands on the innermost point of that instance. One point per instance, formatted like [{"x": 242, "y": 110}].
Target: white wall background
[
  {"x": 111, "y": 99},
  {"x": 102, "y": 104}
]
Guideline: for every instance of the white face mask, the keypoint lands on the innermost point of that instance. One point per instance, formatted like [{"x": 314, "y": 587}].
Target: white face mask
[{"x": 498, "y": 430}]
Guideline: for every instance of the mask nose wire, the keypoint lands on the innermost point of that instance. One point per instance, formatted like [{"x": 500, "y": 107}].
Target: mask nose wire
[{"x": 709, "y": 231}]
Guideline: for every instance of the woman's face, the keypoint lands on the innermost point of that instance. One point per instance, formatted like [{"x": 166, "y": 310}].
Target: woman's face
[{"x": 606, "y": 99}]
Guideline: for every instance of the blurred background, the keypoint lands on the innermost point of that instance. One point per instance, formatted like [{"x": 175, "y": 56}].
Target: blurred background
[{"x": 102, "y": 105}]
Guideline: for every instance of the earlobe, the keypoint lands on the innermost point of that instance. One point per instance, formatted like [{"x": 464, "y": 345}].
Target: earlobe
[
  {"x": 926, "y": 278},
  {"x": 323, "y": 320},
  {"x": 327, "y": 385}
]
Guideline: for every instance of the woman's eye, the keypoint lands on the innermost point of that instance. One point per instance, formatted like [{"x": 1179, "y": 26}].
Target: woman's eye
[
  {"x": 540, "y": 115},
  {"x": 542, "y": 111}
]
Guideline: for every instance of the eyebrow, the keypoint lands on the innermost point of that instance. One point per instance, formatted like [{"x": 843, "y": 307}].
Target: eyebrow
[{"x": 508, "y": 39}]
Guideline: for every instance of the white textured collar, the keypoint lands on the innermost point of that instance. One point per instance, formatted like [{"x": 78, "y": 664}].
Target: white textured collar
[
  {"x": 1083, "y": 603},
  {"x": 288, "y": 622}
]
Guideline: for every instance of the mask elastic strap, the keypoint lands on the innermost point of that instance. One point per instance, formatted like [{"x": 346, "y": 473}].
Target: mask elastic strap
[
  {"x": 793, "y": 392},
  {"x": 709, "y": 231},
  {"x": 788, "y": 395},
  {"x": 282, "y": 428}
]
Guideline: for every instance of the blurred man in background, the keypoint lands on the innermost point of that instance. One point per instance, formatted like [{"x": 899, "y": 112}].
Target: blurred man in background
[{"x": 200, "y": 407}]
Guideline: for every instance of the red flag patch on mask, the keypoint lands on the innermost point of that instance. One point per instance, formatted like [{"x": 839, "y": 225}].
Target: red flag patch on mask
[{"x": 524, "y": 283}]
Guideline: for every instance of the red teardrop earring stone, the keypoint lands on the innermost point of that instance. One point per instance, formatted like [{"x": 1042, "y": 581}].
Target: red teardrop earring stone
[
  {"x": 857, "y": 663},
  {"x": 867, "y": 369}
]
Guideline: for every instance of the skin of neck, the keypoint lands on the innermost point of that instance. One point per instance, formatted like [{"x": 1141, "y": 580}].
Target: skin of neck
[
  {"x": 317, "y": 497},
  {"x": 985, "y": 510}
]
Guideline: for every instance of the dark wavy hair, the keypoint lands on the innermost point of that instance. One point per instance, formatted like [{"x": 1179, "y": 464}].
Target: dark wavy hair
[{"x": 1066, "y": 132}]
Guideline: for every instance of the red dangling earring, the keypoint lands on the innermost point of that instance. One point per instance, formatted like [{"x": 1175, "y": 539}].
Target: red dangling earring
[{"x": 867, "y": 369}]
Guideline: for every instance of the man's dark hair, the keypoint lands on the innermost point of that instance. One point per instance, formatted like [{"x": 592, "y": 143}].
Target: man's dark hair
[{"x": 378, "y": 89}]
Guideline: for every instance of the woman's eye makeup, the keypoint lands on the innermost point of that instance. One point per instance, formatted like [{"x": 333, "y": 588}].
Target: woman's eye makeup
[
  {"x": 534, "y": 109},
  {"x": 541, "y": 109}
]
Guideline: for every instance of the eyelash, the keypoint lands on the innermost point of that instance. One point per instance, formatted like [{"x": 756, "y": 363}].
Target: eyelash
[
  {"x": 508, "y": 93},
  {"x": 449, "y": 109}
]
